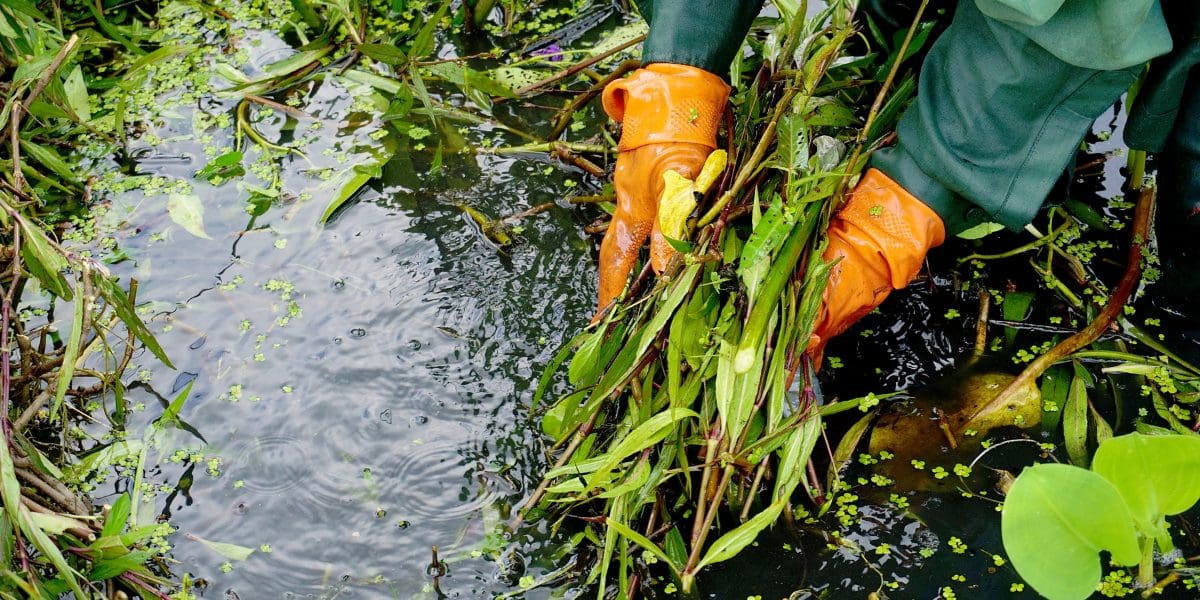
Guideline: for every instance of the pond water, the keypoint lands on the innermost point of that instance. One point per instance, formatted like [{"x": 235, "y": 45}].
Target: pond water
[
  {"x": 389, "y": 415},
  {"x": 362, "y": 388}
]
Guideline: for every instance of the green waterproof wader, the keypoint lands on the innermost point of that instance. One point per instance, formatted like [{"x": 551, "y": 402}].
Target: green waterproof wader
[{"x": 1006, "y": 94}]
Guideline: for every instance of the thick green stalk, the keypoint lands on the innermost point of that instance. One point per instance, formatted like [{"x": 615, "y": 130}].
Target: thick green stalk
[
  {"x": 782, "y": 270},
  {"x": 1146, "y": 566}
]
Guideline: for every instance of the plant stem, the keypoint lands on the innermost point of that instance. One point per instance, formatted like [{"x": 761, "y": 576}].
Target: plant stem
[
  {"x": 563, "y": 119},
  {"x": 981, "y": 324},
  {"x": 782, "y": 270},
  {"x": 698, "y": 544},
  {"x": 1041, "y": 241},
  {"x": 576, "y": 68},
  {"x": 563, "y": 459},
  {"x": 1112, "y": 309},
  {"x": 877, "y": 105},
  {"x": 546, "y": 148},
  {"x": 1145, "y": 577}
]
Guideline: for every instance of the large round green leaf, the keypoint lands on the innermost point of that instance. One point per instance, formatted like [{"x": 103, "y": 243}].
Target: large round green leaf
[
  {"x": 1157, "y": 475},
  {"x": 1056, "y": 520}
]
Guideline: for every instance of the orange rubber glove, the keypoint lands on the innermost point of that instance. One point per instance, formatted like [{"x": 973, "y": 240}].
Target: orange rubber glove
[
  {"x": 670, "y": 115},
  {"x": 881, "y": 236}
]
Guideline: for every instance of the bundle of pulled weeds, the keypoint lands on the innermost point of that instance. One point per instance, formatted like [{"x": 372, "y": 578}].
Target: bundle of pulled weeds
[{"x": 691, "y": 419}]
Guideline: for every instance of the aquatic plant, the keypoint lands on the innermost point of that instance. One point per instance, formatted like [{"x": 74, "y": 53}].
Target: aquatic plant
[
  {"x": 1058, "y": 518},
  {"x": 693, "y": 412}
]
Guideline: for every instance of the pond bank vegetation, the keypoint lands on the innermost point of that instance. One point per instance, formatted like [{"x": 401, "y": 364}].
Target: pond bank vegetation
[{"x": 687, "y": 421}]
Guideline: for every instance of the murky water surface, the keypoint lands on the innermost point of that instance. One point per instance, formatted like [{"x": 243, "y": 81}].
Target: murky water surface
[{"x": 363, "y": 388}]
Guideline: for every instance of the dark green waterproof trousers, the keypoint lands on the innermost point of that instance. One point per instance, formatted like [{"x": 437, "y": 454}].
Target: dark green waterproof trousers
[{"x": 1006, "y": 94}]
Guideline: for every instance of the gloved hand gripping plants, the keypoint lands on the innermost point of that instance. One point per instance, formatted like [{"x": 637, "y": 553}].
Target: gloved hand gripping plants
[{"x": 690, "y": 418}]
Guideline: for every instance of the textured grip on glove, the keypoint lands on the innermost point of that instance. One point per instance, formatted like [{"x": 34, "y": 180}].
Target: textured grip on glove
[
  {"x": 666, "y": 103},
  {"x": 880, "y": 239}
]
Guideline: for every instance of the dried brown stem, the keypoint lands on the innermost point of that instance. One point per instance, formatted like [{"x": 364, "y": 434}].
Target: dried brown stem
[
  {"x": 877, "y": 104},
  {"x": 981, "y": 324},
  {"x": 563, "y": 152},
  {"x": 31, "y": 411},
  {"x": 55, "y": 491}
]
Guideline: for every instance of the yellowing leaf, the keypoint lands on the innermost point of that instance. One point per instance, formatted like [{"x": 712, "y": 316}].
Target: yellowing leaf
[
  {"x": 714, "y": 165},
  {"x": 676, "y": 205}
]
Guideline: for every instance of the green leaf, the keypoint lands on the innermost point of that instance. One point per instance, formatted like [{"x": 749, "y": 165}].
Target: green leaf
[
  {"x": 49, "y": 159},
  {"x": 645, "y": 543},
  {"x": 358, "y": 179},
  {"x": 482, "y": 82},
  {"x": 675, "y": 547},
  {"x": 383, "y": 84},
  {"x": 1056, "y": 384},
  {"x": 119, "y": 301},
  {"x": 170, "y": 416},
  {"x": 51, "y": 523},
  {"x": 681, "y": 246},
  {"x": 516, "y": 77},
  {"x": 77, "y": 94},
  {"x": 70, "y": 355},
  {"x": 555, "y": 419},
  {"x": 385, "y": 53},
  {"x": 831, "y": 114},
  {"x": 1075, "y": 422},
  {"x": 793, "y": 141},
  {"x": 188, "y": 212},
  {"x": 1015, "y": 308},
  {"x": 652, "y": 431},
  {"x": 736, "y": 392},
  {"x": 50, "y": 550},
  {"x": 1157, "y": 475},
  {"x": 847, "y": 445},
  {"x": 103, "y": 458},
  {"x": 1056, "y": 520},
  {"x": 584, "y": 369},
  {"x": 980, "y": 230},
  {"x": 422, "y": 44},
  {"x": 230, "y": 551},
  {"x": 118, "y": 514},
  {"x": 225, "y": 166},
  {"x": 1103, "y": 431},
  {"x": 43, "y": 260},
  {"x": 770, "y": 231},
  {"x": 296, "y": 61},
  {"x": 1016, "y": 305},
  {"x": 728, "y": 545},
  {"x": 110, "y": 568},
  {"x": 796, "y": 452}
]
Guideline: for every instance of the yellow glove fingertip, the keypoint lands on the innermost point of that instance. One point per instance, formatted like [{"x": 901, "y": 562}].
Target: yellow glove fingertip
[
  {"x": 714, "y": 165},
  {"x": 676, "y": 204}
]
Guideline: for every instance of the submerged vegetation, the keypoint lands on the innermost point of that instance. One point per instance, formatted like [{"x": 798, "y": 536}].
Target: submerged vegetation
[{"x": 690, "y": 420}]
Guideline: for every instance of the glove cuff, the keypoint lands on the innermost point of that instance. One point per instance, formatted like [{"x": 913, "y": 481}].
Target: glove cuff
[
  {"x": 667, "y": 103},
  {"x": 899, "y": 226}
]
